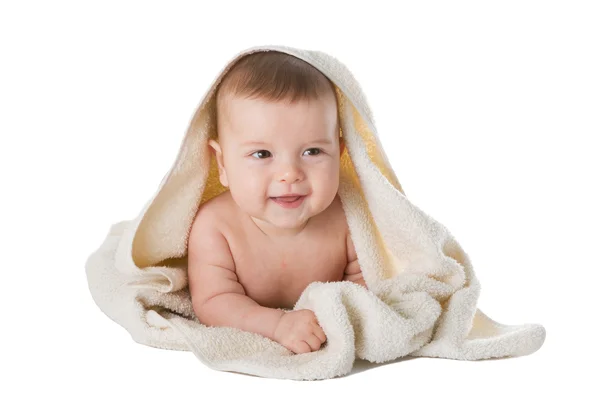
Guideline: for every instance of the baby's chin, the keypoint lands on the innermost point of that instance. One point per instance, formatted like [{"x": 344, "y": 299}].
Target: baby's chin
[
  {"x": 281, "y": 217},
  {"x": 287, "y": 218},
  {"x": 292, "y": 225}
]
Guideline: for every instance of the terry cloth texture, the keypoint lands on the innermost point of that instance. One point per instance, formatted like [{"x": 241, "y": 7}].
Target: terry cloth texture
[{"x": 422, "y": 291}]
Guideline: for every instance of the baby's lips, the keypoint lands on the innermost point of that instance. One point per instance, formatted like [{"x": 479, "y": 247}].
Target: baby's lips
[{"x": 288, "y": 199}]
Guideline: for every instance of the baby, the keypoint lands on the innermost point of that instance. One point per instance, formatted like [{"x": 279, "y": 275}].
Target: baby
[{"x": 254, "y": 248}]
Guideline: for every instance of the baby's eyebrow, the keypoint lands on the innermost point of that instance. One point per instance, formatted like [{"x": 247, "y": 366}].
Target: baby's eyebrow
[
  {"x": 322, "y": 141},
  {"x": 253, "y": 143},
  {"x": 259, "y": 143}
]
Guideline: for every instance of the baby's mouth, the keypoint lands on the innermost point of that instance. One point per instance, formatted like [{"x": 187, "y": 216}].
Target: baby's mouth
[{"x": 287, "y": 199}]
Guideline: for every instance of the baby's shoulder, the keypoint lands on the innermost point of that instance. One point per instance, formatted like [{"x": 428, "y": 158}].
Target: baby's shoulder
[
  {"x": 214, "y": 211},
  {"x": 207, "y": 241}
]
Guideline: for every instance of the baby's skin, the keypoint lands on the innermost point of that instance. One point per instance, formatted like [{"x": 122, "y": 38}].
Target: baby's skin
[{"x": 250, "y": 254}]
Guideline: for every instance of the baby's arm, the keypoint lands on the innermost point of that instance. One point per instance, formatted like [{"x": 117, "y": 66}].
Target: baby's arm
[
  {"x": 218, "y": 299},
  {"x": 353, "y": 272}
]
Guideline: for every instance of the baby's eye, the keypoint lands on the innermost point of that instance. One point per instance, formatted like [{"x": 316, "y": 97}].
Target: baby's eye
[
  {"x": 317, "y": 150},
  {"x": 261, "y": 151}
]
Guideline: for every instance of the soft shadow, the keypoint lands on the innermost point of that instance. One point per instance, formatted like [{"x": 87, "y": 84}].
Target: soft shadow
[
  {"x": 493, "y": 359},
  {"x": 358, "y": 366},
  {"x": 364, "y": 365}
]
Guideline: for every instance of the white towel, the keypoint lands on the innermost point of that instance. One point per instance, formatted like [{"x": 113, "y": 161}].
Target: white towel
[{"x": 422, "y": 291}]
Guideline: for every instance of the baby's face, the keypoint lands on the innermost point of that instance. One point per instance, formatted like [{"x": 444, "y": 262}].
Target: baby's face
[{"x": 271, "y": 149}]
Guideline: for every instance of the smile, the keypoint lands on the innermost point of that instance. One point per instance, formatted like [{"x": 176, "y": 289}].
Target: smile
[{"x": 288, "y": 202}]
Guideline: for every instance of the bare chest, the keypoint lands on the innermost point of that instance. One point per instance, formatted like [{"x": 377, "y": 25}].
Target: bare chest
[{"x": 275, "y": 274}]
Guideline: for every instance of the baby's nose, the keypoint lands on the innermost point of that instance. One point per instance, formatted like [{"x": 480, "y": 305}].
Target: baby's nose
[{"x": 291, "y": 174}]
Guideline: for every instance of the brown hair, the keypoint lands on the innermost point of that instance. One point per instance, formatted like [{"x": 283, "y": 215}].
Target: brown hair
[{"x": 272, "y": 76}]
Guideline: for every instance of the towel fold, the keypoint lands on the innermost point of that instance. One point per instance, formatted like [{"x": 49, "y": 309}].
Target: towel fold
[{"x": 422, "y": 291}]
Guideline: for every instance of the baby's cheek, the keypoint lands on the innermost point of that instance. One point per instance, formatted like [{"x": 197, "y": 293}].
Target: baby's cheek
[
  {"x": 330, "y": 176},
  {"x": 329, "y": 190},
  {"x": 251, "y": 184}
]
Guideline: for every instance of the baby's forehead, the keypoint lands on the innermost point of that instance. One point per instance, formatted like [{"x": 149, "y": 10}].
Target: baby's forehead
[
  {"x": 257, "y": 119},
  {"x": 319, "y": 137}
]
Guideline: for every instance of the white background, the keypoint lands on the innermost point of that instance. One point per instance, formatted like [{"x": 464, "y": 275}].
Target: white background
[{"x": 489, "y": 113}]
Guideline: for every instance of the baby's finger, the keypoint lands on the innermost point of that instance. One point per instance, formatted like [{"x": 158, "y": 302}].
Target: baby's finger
[
  {"x": 318, "y": 331},
  {"x": 314, "y": 342},
  {"x": 301, "y": 347}
]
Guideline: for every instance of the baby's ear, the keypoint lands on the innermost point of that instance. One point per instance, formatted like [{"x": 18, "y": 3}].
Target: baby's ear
[
  {"x": 216, "y": 149},
  {"x": 214, "y": 146}
]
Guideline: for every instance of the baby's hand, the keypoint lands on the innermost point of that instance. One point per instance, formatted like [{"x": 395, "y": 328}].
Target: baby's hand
[{"x": 299, "y": 331}]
